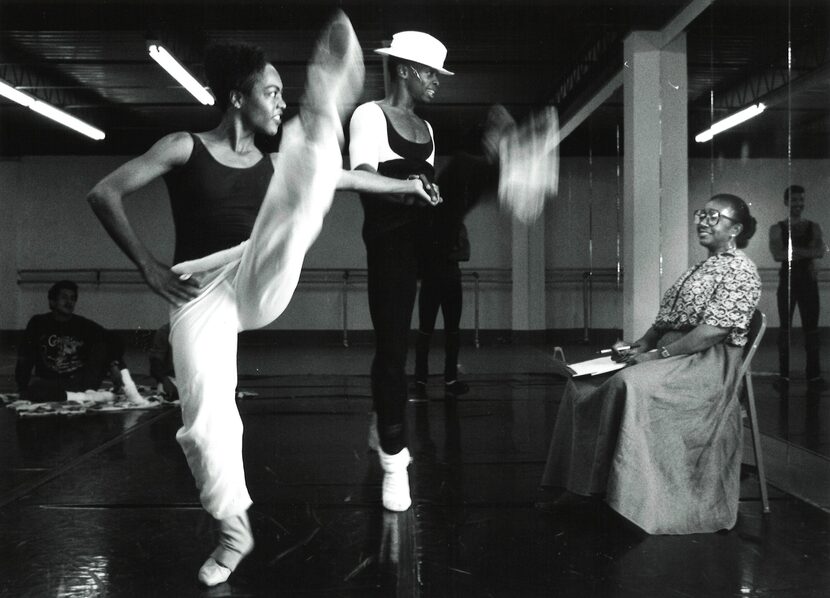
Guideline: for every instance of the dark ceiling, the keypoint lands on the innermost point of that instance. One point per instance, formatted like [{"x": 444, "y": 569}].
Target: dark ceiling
[{"x": 90, "y": 58}]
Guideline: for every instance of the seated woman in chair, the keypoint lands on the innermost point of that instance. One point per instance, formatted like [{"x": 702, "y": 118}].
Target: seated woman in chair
[{"x": 660, "y": 440}]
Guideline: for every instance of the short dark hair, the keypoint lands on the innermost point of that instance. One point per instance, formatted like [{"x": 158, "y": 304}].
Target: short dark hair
[
  {"x": 392, "y": 63},
  {"x": 56, "y": 288},
  {"x": 790, "y": 190},
  {"x": 230, "y": 67},
  {"x": 742, "y": 216}
]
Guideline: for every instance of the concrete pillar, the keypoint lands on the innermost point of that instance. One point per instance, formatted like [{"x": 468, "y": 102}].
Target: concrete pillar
[
  {"x": 655, "y": 180},
  {"x": 528, "y": 290}
]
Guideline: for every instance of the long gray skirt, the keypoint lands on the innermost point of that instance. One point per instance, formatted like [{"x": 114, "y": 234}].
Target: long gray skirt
[{"x": 662, "y": 441}]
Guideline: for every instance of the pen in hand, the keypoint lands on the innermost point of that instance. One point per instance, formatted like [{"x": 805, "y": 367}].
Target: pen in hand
[{"x": 620, "y": 348}]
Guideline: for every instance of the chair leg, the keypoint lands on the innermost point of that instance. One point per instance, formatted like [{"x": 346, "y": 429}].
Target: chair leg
[{"x": 756, "y": 441}]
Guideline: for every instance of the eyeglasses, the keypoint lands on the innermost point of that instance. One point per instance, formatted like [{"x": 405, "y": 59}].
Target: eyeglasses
[{"x": 710, "y": 217}]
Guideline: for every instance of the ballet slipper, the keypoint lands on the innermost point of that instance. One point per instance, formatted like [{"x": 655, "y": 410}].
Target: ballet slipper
[
  {"x": 395, "y": 480},
  {"x": 236, "y": 541},
  {"x": 212, "y": 573}
]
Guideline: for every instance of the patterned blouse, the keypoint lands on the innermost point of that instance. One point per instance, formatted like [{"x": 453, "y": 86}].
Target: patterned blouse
[{"x": 722, "y": 290}]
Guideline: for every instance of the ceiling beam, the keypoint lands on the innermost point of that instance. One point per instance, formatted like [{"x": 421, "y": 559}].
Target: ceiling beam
[{"x": 674, "y": 28}]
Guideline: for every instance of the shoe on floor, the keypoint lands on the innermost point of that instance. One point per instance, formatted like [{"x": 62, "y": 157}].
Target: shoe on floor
[
  {"x": 781, "y": 384},
  {"x": 817, "y": 383},
  {"x": 420, "y": 390},
  {"x": 457, "y": 387}
]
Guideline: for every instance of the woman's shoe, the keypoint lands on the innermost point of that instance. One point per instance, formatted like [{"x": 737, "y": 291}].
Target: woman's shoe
[{"x": 395, "y": 480}]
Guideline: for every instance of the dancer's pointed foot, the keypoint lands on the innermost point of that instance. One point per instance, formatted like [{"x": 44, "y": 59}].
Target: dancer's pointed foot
[
  {"x": 212, "y": 573},
  {"x": 529, "y": 165},
  {"x": 335, "y": 78},
  {"x": 236, "y": 541}
]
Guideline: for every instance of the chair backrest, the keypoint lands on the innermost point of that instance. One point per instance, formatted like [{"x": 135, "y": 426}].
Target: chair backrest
[{"x": 757, "y": 327}]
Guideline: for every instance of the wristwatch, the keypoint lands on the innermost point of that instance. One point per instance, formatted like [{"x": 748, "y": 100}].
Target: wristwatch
[{"x": 664, "y": 353}]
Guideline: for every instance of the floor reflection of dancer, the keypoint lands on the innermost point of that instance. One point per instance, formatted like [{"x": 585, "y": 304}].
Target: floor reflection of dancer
[
  {"x": 389, "y": 138},
  {"x": 243, "y": 223}
]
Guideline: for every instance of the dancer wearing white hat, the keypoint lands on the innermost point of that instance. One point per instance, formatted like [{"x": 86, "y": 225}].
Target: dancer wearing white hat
[{"x": 389, "y": 138}]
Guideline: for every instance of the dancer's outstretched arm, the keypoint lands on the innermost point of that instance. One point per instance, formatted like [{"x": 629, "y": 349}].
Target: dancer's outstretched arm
[
  {"x": 365, "y": 181},
  {"x": 107, "y": 201}
]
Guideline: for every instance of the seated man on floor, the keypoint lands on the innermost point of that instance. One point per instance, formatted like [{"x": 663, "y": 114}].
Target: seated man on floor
[{"x": 68, "y": 353}]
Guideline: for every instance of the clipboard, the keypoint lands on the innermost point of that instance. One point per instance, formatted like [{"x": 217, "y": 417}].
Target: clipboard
[{"x": 590, "y": 367}]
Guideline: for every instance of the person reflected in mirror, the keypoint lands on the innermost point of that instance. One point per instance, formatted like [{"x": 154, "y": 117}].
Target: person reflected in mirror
[
  {"x": 796, "y": 243},
  {"x": 660, "y": 440}
]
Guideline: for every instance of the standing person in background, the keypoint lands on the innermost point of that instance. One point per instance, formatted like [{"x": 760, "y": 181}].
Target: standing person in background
[
  {"x": 389, "y": 138},
  {"x": 798, "y": 285},
  {"x": 463, "y": 183}
]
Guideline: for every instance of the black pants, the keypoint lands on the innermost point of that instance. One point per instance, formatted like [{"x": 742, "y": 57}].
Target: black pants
[
  {"x": 802, "y": 293},
  {"x": 440, "y": 287},
  {"x": 392, "y": 262}
]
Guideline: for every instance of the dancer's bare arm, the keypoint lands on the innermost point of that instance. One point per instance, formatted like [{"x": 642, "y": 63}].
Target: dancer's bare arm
[
  {"x": 107, "y": 201},
  {"x": 365, "y": 180}
]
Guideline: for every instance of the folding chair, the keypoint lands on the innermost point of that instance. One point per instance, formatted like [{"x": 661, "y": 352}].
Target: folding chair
[{"x": 757, "y": 327}]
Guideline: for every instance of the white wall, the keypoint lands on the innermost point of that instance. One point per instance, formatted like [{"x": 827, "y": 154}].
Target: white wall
[{"x": 47, "y": 224}]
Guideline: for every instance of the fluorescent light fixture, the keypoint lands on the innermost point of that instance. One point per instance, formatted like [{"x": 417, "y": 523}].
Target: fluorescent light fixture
[
  {"x": 731, "y": 121},
  {"x": 49, "y": 111},
  {"x": 7, "y": 91},
  {"x": 67, "y": 120},
  {"x": 180, "y": 74}
]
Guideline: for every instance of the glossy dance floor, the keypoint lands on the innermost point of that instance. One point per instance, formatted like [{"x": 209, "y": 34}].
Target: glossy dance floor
[{"x": 104, "y": 505}]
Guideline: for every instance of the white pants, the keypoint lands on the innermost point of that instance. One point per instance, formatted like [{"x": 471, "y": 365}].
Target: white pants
[{"x": 245, "y": 287}]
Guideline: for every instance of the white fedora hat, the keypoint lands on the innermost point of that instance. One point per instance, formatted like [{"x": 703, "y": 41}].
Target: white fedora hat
[{"x": 419, "y": 47}]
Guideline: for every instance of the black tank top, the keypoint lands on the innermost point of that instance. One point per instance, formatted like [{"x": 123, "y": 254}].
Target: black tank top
[
  {"x": 214, "y": 206},
  {"x": 383, "y": 216}
]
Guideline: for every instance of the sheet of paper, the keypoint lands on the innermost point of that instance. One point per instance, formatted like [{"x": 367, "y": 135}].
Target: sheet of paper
[{"x": 594, "y": 367}]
